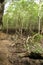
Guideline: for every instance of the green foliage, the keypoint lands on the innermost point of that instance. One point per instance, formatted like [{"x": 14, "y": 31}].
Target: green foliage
[
  {"x": 34, "y": 44},
  {"x": 37, "y": 48},
  {"x": 38, "y": 38},
  {"x": 22, "y": 15}
]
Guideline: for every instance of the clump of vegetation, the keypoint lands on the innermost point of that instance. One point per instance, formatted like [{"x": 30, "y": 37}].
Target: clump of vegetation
[
  {"x": 34, "y": 44},
  {"x": 38, "y": 38},
  {"x": 22, "y": 15}
]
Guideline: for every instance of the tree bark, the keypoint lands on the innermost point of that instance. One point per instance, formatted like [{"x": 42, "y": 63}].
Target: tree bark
[{"x": 1, "y": 11}]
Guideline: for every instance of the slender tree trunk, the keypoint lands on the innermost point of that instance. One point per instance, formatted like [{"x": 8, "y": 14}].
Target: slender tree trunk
[
  {"x": 39, "y": 16},
  {"x": 39, "y": 25},
  {"x": 7, "y": 26}
]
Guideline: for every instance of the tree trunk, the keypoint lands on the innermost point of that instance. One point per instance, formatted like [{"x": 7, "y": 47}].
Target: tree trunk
[{"x": 1, "y": 12}]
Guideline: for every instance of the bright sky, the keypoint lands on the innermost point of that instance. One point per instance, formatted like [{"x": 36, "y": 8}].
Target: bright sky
[{"x": 37, "y": 1}]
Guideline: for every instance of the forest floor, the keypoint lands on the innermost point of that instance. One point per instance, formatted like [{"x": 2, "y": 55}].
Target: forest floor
[
  {"x": 8, "y": 50},
  {"x": 5, "y": 41}
]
